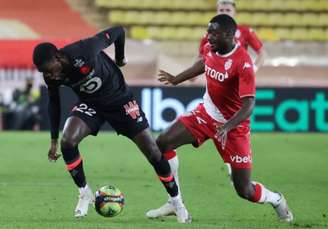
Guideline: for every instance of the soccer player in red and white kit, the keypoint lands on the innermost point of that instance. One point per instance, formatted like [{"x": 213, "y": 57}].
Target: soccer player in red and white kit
[
  {"x": 223, "y": 117},
  {"x": 244, "y": 36}
]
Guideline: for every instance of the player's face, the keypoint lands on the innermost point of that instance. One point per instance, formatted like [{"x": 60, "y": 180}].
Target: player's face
[
  {"x": 52, "y": 70},
  {"x": 228, "y": 9},
  {"x": 218, "y": 38}
]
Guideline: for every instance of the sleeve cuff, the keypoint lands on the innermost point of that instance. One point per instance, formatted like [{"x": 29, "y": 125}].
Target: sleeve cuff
[{"x": 247, "y": 95}]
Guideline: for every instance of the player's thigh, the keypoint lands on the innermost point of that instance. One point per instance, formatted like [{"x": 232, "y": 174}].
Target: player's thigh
[
  {"x": 237, "y": 150},
  {"x": 127, "y": 119},
  {"x": 75, "y": 129},
  {"x": 82, "y": 121},
  {"x": 174, "y": 136}
]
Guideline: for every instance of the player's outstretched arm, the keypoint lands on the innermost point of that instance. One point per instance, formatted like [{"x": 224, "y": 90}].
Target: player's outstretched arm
[
  {"x": 257, "y": 45},
  {"x": 94, "y": 45},
  {"x": 196, "y": 69},
  {"x": 54, "y": 116}
]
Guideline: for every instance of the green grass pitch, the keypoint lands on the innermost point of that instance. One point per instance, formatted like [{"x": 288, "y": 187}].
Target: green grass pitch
[{"x": 35, "y": 193}]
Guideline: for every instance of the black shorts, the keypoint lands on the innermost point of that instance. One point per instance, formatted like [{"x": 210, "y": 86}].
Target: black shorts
[{"x": 126, "y": 119}]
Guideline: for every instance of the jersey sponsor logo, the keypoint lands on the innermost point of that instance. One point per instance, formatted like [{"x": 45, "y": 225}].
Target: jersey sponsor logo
[
  {"x": 219, "y": 76},
  {"x": 238, "y": 159},
  {"x": 228, "y": 64},
  {"x": 91, "y": 85},
  {"x": 132, "y": 109},
  {"x": 84, "y": 79}
]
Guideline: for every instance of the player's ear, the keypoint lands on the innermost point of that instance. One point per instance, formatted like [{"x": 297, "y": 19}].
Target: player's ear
[
  {"x": 58, "y": 56},
  {"x": 61, "y": 57}
]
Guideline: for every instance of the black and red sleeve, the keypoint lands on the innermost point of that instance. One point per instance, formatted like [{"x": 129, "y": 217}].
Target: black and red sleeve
[
  {"x": 94, "y": 45},
  {"x": 54, "y": 111}
]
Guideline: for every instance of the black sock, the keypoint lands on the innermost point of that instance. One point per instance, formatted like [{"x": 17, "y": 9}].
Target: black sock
[
  {"x": 74, "y": 165},
  {"x": 163, "y": 170}
]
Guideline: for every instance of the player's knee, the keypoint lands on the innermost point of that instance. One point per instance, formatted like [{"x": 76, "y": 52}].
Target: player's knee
[
  {"x": 163, "y": 143},
  {"x": 159, "y": 143},
  {"x": 68, "y": 142}
]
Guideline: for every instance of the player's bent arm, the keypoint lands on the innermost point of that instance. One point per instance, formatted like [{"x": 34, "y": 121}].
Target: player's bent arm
[
  {"x": 54, "y": 113},
  {"x": 257, "y": 45},
  {"x": 245, "y": 111},
  {"x": 94, "y": 45},
  {"x": 260, "y": 58},
  {"x": 195, "y": 70}
]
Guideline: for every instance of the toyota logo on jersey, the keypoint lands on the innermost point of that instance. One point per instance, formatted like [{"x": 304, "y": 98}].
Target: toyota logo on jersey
[{"x": 219, "y": 76}]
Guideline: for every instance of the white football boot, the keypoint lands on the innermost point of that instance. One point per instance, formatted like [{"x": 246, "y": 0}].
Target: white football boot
[
  {"x": 181, "y": 212},
  {"x": 165, "y": 210},
  {"x": 174, "y": 206},
  {"x": 282, "y": 210},
  {"x": 86, "y": 198}
]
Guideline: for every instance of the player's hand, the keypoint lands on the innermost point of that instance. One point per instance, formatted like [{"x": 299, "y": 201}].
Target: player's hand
[
  {"x": 52, "y": 153},
  {"x": 166, "y": 78},
  {"x": 121, "y": 62},
  {"x": 222, "y": 134}
]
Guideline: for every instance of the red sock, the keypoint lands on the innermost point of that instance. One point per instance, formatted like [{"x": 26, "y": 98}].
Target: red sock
[
  {"x": 170, "y": 154},
  {"x": 258, "y": 193}
]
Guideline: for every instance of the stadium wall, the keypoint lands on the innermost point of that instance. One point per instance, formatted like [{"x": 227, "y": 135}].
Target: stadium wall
[{"x": 277, "y": 109}]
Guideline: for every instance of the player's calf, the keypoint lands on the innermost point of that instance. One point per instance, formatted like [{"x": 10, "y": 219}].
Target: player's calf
[
  {"x": 175, "y": 204},
  {"x": 258, "y": 193},
  {"x": 245, "y": 192},
  {"x": 167, "y": 208},
  {"x": 163, "y": 171},
  {"x": 74, "y": 165},
  {"x": 150, "y": 149}
]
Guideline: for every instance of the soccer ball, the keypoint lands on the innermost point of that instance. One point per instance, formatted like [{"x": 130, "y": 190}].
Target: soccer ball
[{"x": 109, "y": 201}]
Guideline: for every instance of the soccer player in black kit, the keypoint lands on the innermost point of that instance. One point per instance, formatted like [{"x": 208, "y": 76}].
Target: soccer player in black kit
[{"x": 103, "y": 97}]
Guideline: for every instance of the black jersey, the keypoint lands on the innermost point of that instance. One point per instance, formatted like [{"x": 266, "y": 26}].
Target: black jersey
[{"x": 93, "y": 76}]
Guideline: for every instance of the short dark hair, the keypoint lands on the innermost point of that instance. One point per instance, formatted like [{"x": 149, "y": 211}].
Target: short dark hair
[
  {"x": 43, "y": 53},
  {"x": 226, "y": 22}
]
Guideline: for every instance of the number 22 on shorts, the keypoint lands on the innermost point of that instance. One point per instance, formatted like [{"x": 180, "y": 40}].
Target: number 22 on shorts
[{"x": 83, "y": 108}]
